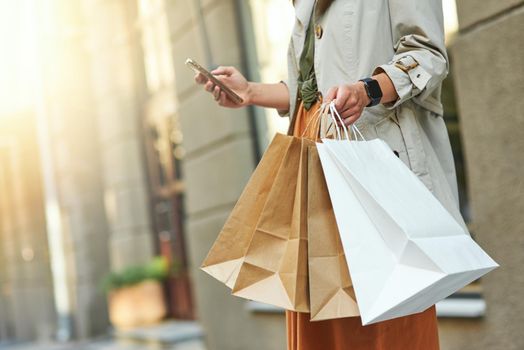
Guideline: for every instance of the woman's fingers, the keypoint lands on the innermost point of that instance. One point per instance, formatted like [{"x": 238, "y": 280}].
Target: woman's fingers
[
  {"x": 353, "y": 112},
  {"x": 227, "y": 71},
  {"x": 341, "y": 102},
  {"x": 231, "y": 77},
  {"x": 348, "y": 102},
  {"x": 209, "y": 87},
  {"x": 216, "y": 93},
  {"x": 200, "y": 79},
  {"x": 222, "y": 100},
  {"x": 346, "y": 99},
  {"x": 350, "y": 120},
  {"x": 331, "y": 94},
  {"x": 350, "y": 110}
]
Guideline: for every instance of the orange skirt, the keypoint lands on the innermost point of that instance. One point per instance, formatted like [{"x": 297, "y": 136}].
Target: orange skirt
[{"x": 415, "y": 332}]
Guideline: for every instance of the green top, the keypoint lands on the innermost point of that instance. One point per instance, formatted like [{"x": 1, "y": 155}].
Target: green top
[{"x": 307, "y": 82}]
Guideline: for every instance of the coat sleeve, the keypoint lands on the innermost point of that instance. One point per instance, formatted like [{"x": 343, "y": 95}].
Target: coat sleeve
[{"x": 420, "y": 62}]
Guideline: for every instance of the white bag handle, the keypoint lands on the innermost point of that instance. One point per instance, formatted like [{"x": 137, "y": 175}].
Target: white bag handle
[
  {"x": 336, "y": 119},
  {"x": 336, "y": 116},
  {"x": 324, "y": 112}
]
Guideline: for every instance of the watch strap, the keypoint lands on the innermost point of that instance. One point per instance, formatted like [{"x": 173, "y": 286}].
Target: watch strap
[{"x": 373, "y": 91}]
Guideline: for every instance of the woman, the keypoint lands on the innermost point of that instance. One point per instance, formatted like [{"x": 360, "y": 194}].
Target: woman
[{"x": 382, "y": 62}]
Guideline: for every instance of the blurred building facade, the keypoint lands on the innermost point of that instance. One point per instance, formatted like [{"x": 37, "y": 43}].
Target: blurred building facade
[
  {"x": 123, "y": 157},
  {"x": 27, "y": 307},
  {"x": 489, "y": 84},
  {"x": 94, "y": 184},
  {"x": 92, "y": 174}
]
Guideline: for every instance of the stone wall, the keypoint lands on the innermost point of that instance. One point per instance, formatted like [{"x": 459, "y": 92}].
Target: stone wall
[
  {"x": 91, "y": 106},
  {"x": 26, "y": 289},
  {"x": 76, "y": 166},
  {"x": 217, "y": 165},
  {"x": 489, "y": 78},
  {"x": 116, "y": 67}
]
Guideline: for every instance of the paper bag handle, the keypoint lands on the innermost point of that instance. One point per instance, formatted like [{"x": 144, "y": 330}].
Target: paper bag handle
[
  {"x": 337, "y": 120},
  {"x": 314, "y": 118}
]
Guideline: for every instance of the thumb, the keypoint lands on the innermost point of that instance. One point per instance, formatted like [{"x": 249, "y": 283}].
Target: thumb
[
  {"x": 331, "y": 94},
  {"x": 228, "y": 71}
]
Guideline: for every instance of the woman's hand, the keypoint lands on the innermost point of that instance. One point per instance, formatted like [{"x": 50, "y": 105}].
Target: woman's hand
[
  {"x": 233, "y": 79},
  {"x": 350, "y": 100},
  {"x": 259, "y": 94}
]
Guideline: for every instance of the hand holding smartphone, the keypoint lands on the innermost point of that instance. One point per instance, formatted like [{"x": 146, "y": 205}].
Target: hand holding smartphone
[{"x": 197, "y": 68}]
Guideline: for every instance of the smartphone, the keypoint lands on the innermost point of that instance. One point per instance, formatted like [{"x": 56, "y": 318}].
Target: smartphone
[{"x": 199, "y": 69}]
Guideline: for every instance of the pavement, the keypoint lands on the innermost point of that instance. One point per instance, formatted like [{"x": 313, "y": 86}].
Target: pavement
[{"x": 169, "y": 335}]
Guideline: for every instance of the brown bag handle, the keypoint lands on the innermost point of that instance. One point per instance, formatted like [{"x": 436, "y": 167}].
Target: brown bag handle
[{"x": 315, "y": 119}]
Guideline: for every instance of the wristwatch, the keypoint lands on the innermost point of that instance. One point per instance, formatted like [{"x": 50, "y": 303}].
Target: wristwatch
[{"x": 373, "y": 90}]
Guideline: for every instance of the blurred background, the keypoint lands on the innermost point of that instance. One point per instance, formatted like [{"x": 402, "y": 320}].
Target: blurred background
[{"x": 117, "y": 172}]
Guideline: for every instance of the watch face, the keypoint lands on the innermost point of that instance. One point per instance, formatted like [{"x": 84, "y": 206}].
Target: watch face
[{"x": 374, "y": 89}]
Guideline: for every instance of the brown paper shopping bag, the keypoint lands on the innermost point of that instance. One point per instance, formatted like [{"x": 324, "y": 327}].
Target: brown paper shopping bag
[
  {"x": 227, "y": 253},
  {"x": 330, "y": 287},
  {"x": 274, "y": 270}
]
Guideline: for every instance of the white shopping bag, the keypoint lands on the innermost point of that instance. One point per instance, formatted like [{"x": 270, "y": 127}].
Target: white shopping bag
[{"x": 405, "y": 251}]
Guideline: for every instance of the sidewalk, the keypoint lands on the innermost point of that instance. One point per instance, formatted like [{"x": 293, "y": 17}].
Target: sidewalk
[{"x": 170, "y": 335}]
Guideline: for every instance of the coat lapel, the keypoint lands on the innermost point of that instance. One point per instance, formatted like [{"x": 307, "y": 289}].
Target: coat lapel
[{"x": 303, "y": 10}]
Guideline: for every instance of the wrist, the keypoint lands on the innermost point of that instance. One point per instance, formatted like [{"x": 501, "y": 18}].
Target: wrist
[
  {"x": 251, "y": 93},
  {"x": 386, "y": 85},
  {"x": 373, "y": 91},
  {"x": 363, "y": 93}
]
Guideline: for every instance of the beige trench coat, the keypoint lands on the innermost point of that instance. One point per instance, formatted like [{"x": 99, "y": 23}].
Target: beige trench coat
[{"x": 406, "y": 39}]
